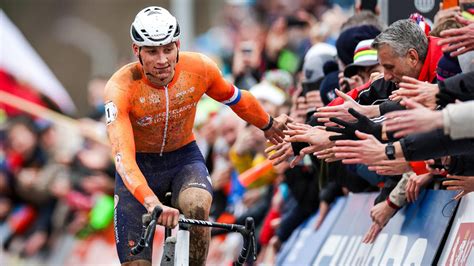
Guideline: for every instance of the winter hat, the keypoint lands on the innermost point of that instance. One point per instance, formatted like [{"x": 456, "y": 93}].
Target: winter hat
[
  {"x": 328, "y": 86},
  {"x": 447, "y": 67},
  {"x": 314, "y": 61},
  {"x": 348, "y": 40}
]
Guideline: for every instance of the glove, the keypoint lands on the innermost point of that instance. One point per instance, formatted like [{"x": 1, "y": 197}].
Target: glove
[
  {"x": 298, "y": 146},
  {"x": 363, "y": 124}
]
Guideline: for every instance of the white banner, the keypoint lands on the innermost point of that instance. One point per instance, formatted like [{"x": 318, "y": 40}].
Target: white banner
[
  {"x": 20, "y": 59},
  {"x": 459, "y": 248}
]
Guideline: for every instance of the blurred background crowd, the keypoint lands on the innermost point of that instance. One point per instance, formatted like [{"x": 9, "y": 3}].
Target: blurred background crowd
[{"x": 358, "y": 90}]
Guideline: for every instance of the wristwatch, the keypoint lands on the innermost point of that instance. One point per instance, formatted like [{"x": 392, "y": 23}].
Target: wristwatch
[{"x": 390, "y": 151}]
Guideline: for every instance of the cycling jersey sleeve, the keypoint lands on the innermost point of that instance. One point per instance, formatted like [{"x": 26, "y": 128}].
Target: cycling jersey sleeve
[
  {"x": 120, "y": 132},
  {"x": 243, "y": 103}
]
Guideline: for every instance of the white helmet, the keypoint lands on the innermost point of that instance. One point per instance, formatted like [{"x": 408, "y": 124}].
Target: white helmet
[{"x": 154, "y": 26}]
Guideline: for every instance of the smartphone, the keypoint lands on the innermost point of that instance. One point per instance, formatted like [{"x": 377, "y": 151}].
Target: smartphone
[{"x": 450, "y": 3}]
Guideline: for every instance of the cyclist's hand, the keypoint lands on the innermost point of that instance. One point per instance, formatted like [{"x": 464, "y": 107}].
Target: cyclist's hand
[
  {"x": 169, "y": 216},
  {"x": 275, "y": 133}
]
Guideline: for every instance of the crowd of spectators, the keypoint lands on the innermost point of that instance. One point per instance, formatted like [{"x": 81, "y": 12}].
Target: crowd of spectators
[{"x": 372, "y": 107}]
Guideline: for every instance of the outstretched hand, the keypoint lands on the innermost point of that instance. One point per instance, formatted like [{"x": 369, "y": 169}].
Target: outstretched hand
[
  {"x": 419, "y": 91},
  {"x": 317, "y": 137},
  {"x": 279, "y": 153},
  {"x": 275, "y": 133},
  {"x": 348, "y": 129},
  {"x": 339, "y": 111},
  {"x": 465, "y": 184},
  {"x": 418, "y": 119},
  {"x": 391, "y": 167},
  {"x": 367, "y": 150},
  {"x": 458, "y": 41}
]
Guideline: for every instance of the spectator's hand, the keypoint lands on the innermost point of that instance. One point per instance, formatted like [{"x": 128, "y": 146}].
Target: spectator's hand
[
  {"x": 328, "y": 155},
  {"x": 463, "y": 183},
  {"x": 317, "y": 137},
  {"x": 418, "y": 119},
  {"x": 367, "y": 150},
  {"x": 391, "y": 167},
  {"x": 445, "y": 14},
  {"x": 284, "y": 120},
  {"x": 414, "y": 185},
  {"x": 419, "y": 91},
  {"x": 461, "y": 40},
  {"x": 372, "y": 234},
  {"x": 169, "y": 216},
  {"x": 323, "y": 212},
  {"x": 347, "y": 129},
  {"x": 313, "y": 100},
  {"x": 279, "y": 153},
  {"x": 339, "y": 111},
  {"x": 381, "y": 213}
]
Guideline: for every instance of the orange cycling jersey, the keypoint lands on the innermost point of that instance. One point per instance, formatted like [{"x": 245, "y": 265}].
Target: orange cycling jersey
[{"x": 142, "y": 117}]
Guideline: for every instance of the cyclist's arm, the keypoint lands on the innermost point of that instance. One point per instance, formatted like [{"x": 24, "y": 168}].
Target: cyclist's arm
[
  {"x": 120, "y": 132},
  {"x": 243, "y": 103}
]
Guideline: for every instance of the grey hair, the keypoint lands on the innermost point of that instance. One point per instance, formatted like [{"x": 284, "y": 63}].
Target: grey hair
[{"x": 401, "y": 36}]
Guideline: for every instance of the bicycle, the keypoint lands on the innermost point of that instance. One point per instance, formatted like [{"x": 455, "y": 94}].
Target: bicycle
[{"x": 176, "y": 250}]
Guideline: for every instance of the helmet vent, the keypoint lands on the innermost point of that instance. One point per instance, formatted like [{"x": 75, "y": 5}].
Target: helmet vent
[
  {"x": 136, "y": 36},
  {"x": 153, "y": 13}
]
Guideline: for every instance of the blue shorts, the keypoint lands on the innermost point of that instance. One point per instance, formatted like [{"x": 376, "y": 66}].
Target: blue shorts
[{"x": 173, "y": 171}]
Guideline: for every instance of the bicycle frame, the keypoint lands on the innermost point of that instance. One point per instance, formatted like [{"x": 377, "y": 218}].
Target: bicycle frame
[{"x": 181, "y": 256}]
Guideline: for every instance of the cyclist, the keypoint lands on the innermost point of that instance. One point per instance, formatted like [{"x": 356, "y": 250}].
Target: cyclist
[{"x": 150, "y": 107}]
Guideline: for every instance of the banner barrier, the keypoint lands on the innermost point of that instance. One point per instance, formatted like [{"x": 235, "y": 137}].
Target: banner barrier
[
  {"x": 301, "y": 252},
  {"x": 459, "y": 245},
  {"x": 413, "y": 236}
]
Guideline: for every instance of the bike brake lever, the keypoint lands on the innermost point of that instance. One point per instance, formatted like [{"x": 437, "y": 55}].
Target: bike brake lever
[
  {"x": 254, "y": 246},
  {"x": 150, "y": 232}
]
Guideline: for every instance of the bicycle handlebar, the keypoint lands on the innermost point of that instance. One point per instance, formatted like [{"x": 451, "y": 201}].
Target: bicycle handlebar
[
  {"x": 247, "y": 232},
  {"x": 148, "y": 230}
]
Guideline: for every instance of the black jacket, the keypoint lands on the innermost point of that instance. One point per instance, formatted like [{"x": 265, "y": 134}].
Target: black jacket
[
  {"x": 434, "y": 144},
  {"x": 460, "y": 87}
]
